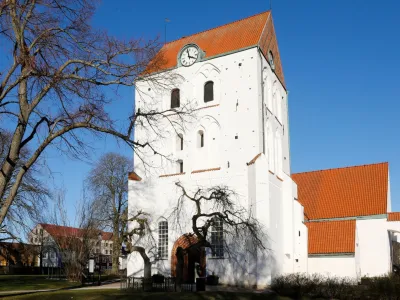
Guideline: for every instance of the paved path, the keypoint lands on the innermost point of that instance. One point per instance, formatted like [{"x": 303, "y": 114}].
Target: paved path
[
  {"x": 114, "y": 285},
  {"x": 224, "y": 288}
]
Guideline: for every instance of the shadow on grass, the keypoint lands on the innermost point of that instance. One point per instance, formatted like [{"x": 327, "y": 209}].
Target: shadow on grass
[
  {"x": 32, "y": 282},
  {"x": 99, "y": 294}
]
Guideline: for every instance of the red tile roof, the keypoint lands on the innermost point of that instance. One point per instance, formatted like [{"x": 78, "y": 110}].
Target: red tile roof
[
  {"x": 257, "y": 30},
  {"x": 65, "y": 231},
  {"x": 331, "y": 237},
  {"x": 393, "y": 216},
  {"x": 344, "y": 192}
]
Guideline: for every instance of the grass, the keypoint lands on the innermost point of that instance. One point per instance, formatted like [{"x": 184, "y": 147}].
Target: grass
[
  {"x": 122, "y": 295},
  {"x": 31, "y": 282}
]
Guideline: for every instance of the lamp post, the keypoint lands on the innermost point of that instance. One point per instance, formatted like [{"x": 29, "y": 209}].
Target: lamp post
[{"x": 99, "y": 238}]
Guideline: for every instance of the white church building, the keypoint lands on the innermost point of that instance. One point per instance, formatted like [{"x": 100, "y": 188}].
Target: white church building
[{"x": 232, "y": 76}]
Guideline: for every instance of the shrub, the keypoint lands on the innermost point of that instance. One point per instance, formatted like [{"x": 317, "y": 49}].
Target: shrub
[
  {"x": 295, "y": 285},
  {"x": 383, "y": 287},
  {"x": 313, "y": 286}
]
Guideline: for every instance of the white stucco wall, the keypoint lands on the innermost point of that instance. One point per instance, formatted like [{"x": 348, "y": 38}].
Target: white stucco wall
[
  {"x": 333, "y": 266},
  {"x": 374, "y": 246}
]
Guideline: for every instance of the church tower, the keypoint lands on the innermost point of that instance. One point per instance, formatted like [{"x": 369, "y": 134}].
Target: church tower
[{"x": 231, "y": 78}]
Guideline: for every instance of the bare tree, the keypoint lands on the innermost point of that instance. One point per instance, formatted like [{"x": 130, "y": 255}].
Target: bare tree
[
  {"x": 52, "y": 90},
  {"x": 108, "y": 181},
  {"x": 74, "y": 247},
  {"x": 31, "y": 198},
  {"x": 218, "y": 206}
]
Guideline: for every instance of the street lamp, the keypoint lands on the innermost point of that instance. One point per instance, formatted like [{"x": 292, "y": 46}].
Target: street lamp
[{"x": 99, "y": 238}]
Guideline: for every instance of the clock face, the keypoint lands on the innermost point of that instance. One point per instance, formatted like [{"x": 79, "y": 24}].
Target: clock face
[{"x": 189, "y": 56}]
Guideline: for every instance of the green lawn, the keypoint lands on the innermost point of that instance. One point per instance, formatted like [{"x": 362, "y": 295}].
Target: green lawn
[
  {"x": 31, "y": 282},
  {"x": 122, "y": 295}
]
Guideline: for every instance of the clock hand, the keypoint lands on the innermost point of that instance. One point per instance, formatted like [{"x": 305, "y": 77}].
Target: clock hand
[{"x": 187, "y": 50}]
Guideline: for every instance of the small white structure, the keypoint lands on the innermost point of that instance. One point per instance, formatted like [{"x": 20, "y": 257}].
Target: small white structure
[{"x": 232, "y": 76}]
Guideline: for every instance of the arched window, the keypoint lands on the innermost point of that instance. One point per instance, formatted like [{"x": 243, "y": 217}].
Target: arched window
[
  {"x": 217, "y": 238},
  {"x": 179, "y": 142},
  {"x": 175, "y": 98},
  {"x": 209, "y": 91},
  {"x": 163, "y": 239},
  {"x": 200, "y": 139}
]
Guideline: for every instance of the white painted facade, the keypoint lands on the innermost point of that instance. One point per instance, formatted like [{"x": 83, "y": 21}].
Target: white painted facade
[
  {"x": 372, "y": 256},
  {"x": 333, "y": 265},
  {"x": 248, "y": 116}
]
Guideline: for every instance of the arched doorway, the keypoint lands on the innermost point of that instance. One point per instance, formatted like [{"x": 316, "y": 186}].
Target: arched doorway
[{"x": 190, "y": 254}]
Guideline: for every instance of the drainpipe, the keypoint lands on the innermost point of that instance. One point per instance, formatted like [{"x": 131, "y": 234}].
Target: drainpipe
[{"x": 262, "y": 102}]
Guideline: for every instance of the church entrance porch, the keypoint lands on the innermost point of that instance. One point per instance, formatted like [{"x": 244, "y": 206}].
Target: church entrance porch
[{"x": 188, "y": 259}]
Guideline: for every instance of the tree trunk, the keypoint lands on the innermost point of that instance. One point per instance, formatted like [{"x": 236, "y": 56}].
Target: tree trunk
[
  {"x": 116, "y": 250},
  {"x": 146, "y": 260}
]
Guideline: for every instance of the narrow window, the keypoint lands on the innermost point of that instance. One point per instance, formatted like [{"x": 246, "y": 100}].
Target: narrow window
[
  {"x": 209, "y": 91},
  {"x": 179, "y": 166},
  {"x": 163, "y": 239},
  {"x": 217, "y": 238},
  {"x": 180, "y": 142},
  {"x": 175, "y": 98},
  {"x": 200, "y": 139}
]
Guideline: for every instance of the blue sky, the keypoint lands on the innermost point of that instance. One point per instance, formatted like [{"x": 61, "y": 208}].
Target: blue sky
[{"x": 340, "y": 60}]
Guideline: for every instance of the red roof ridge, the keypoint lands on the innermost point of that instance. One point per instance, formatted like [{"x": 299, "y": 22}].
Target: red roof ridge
[
  {"x": 340, "y": 168},
  {"x": 226, "y": 24}
]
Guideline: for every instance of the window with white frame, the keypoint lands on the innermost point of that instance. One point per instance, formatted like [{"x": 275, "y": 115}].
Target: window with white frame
[
  {"x": 163, "y": 239},
  {"x": 217, "y": 238}
]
